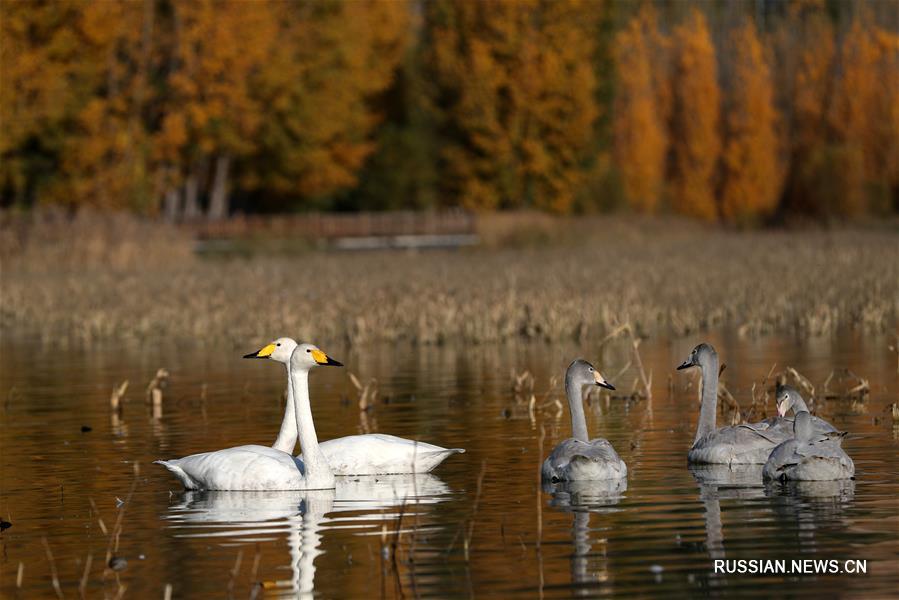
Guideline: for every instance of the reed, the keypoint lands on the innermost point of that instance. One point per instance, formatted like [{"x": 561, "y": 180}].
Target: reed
[{"x": 566, "y": 283}]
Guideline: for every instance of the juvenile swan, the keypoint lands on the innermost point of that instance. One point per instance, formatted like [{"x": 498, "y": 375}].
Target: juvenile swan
[
  {"x": 739, "y": 444},
  {"x": 578, "y": 458},
  {"x": 370, "y": 454},
  {"x": 788, "y": 398},
  {"x": 809, "y": 456},
  {"x": 260, "y": 467}
]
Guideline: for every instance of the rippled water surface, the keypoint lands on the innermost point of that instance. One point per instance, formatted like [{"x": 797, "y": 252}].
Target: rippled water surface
[{"x": 480, "y": 525}]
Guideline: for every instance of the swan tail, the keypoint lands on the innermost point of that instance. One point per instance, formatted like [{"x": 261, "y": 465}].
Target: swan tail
[
  {"x": 428, "y": 460},
  {"x": 186, "y": 480}
]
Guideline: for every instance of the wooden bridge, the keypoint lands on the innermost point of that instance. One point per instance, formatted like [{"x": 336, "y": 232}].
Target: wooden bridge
[{"x": 349, "y": 231}]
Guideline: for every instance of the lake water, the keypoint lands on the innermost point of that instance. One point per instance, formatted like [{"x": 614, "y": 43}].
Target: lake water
[{"x": 480, "y": 525}]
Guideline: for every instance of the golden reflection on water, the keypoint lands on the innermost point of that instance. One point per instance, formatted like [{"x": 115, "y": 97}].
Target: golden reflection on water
[{"x": 654, "y": 534}]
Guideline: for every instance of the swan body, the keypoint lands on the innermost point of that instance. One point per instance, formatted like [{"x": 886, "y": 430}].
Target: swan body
[
  {"x": 261, "y": 468},
  {"x": 737, "y": 444},
  {"x": 809, "y": 456},
  {"x": 241, "y": 468},
  {"x": 381, "y": 454},
  {"x": 579, "y": 458},
  {"x": 789, "y": 398},
  {"x": 369, "y": 454}
]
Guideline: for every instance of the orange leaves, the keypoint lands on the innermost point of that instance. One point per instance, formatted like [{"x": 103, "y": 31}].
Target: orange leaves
[
  {"x": 640, "y": 133},
  {"x": 695, "y": 119},
  {"x": 515, "y": 86},
  {"x": 751, "y": 162}
]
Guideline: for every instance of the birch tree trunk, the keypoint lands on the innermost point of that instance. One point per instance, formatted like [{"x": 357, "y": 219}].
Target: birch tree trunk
[{"x": 218, "y": 198}]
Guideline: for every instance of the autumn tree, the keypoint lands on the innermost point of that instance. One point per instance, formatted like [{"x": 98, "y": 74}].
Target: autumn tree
[
  {"x": 696, "y": 97},
  {"x": 751, "y": 162},
  {"x": 806, "y": 50},
  {"x": 640, "y": 136},
  {"x": 864, "y": 112},
  {"x": 212, "y": 116},
  {"x": 515, "y": 99},
  {"x": 67, "y": 97},
  {"x": 330, "y": 60}
]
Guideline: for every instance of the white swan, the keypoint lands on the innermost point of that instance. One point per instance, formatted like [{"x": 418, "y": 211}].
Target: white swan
[
  {"x": 579, "y": 458},
  {"x": 369, "y": 454},
  {"x": 809, "y": 456},
  {"x": 255, "y": 467},
  {"x": 739, "y": 444}
]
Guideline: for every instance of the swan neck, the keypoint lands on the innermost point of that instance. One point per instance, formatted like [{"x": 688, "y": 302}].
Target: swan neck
[
  {"x": 317, "y": 469},
  {"x": 576, "y": 407},
  {"x": 799, "y": 405},
  {"x": 287, "y": 436},
  {"x": 709, "y": 408}
]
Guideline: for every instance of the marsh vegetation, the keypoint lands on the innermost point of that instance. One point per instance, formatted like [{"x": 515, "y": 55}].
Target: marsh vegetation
[{"x": 107, "y": 277}]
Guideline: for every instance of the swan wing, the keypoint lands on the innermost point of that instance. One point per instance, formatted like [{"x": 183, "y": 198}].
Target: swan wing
[
  {"x": 240, "y": 468},
  {"x": 381, "y": 454},
  {"x": 574, "y": 460}
]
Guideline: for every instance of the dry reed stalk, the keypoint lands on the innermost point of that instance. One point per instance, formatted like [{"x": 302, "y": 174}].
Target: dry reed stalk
[
  {"x": 730, "y": 403},
  {"x": 762, "y": 396},
  {"x": 113, "y": 546},
  {"x": 118, "y": 393},
  {"x": 861, "y": 389},
  {"x": 84, "y": 576},
  {"x": 474, "y": 511},
  {"x": 20, "y": 574},
  {"x": 257, "y": 558},
  {"x": 540, "y": 488},
  {"x": 803, "y": 382},
  {"x": 167, "y": 592},
  {"x": 644, "y": 379},
  {"x": 156, "y": 386},
  {"x": 368, "y": 393},
  {"x": 53, "y": 573},
  {"x": 235, "y": 570},
  {"x": 99, "y": 518}
]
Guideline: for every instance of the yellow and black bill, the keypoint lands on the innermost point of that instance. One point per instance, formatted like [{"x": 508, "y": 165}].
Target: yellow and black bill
[
  {"x": 265, "y": 352},
  {"x": 324, "y": 360}
]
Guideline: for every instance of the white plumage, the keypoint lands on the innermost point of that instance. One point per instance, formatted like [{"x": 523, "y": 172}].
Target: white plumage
[
  {"x": 255, "y": 467},
  {"x": 368, "y": 454}
]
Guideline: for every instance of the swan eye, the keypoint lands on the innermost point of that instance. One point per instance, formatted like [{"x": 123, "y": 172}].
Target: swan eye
[
  {"x": 277, "y": 344},
  {"x": 591, "y": 369},
  {"x": 308, "y": 350}
]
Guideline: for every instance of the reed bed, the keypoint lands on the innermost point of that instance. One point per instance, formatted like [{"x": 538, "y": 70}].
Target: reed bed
[{"x": 542, "y": 280}]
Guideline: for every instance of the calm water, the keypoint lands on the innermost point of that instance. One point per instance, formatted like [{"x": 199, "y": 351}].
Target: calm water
[{"x": 436, "y": 535}]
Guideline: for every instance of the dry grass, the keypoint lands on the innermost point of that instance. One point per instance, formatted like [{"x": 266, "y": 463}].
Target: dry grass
[{"x": 553, "y": 280}]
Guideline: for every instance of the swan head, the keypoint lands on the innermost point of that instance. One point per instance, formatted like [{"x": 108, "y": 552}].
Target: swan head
[
  {"x": 701, "y": 354},
  {"x": 307, "y": 356},
  {"x": 582, "y": 373},
  {"x": 802, "y": 426},
  {"x": 278, "y": 350},
  {"x": 787, "y": 397}
]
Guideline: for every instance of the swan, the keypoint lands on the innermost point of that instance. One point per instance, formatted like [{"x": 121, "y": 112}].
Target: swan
[
  {"x": 257, "y": 468},
  {"x": 369, "y": 454},
  {"x": 738, "y": 444},
  {"x": 578, "y": 458},
  {"x": 809, "y": 456},
  {"x": 788, "y": 398}
]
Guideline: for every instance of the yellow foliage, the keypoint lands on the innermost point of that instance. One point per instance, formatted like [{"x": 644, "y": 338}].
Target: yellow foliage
[
  {"x": 516, "y": 88},
  {"x": 640, "y": 136},
  {"x": 695, "y": 119},
  {"x": 751, "y": 160}
]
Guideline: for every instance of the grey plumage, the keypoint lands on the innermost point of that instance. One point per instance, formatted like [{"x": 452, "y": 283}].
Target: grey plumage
[{"x": 579, "y": 458}]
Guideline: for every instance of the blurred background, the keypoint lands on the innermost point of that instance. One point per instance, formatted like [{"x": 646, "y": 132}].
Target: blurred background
[
  {"x": 740, "y": 112},
  {"x": 455, "y": 198}
]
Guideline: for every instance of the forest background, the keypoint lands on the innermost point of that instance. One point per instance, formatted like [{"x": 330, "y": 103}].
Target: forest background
[{"x": 738, "y": 112}]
